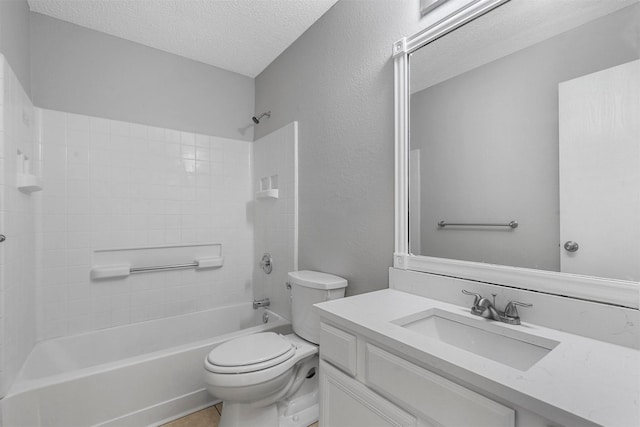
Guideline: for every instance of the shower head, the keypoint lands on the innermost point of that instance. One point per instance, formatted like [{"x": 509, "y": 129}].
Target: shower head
[{"x": 256, "y": 120}]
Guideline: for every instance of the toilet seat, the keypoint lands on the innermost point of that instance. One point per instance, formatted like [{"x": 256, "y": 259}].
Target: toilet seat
[
  {"x": 250, "y": 353},
  {"x": 301, "y": 351}
]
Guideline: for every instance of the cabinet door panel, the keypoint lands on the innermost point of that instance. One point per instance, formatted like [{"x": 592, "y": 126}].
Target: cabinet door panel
[
  {"x": 430, "y": 395},
  {"x": 344, "y": 402},
  {"x": 338, "y": 347}
]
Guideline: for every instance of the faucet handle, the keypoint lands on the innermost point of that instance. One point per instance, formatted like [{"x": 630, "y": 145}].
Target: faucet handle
[
  {"x": 511, "y": 309},
  {"x": 478, "y": 297}
]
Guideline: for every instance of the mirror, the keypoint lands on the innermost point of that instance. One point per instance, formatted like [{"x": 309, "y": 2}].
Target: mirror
[{"x": 524, "y": 151}]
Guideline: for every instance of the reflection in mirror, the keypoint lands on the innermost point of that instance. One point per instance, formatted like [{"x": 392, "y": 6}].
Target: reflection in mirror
[{"x": 530, "y": 113}]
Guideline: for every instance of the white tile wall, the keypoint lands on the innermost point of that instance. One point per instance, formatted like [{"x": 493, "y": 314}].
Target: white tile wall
[
  {"x": 276, "y": 220},
  {"x": 112, "y": 184},
  {"x": 18, "y": 222}
]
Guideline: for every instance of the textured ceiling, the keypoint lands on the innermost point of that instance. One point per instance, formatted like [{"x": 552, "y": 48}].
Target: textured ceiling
[{"x": 243, "y": 36}]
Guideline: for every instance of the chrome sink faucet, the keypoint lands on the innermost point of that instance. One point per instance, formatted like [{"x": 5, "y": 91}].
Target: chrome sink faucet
[{"x": 483, "y": 307}]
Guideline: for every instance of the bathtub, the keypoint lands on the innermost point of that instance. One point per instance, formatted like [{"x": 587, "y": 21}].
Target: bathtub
[{"x": 135, "y": 375}]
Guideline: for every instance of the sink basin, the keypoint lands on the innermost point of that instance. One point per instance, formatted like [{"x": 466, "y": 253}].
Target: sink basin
[{"x": 517, "y": 349}]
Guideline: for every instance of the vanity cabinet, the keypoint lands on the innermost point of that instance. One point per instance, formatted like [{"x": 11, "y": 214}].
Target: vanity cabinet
[
  {"x": 363, "y": 384},
  {"x": 348, "y": 403},
  {"x": 429, "y": 395},
  {"x": 340, "y": 348}
]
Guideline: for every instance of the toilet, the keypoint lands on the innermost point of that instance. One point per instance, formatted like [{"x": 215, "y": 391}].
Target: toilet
[{"x": 271, "y": 380}]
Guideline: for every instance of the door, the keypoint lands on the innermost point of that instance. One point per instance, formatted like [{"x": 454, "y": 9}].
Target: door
[{"x": 600, "y": 173}]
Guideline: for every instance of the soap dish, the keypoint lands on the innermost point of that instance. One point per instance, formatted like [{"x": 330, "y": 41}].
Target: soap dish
[{"x": 28, "y": 183}]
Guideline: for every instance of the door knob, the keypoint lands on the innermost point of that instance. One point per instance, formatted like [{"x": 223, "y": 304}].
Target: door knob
[
  {"x": 571, "y": 246},
  {"x": 2, "y": 238}
]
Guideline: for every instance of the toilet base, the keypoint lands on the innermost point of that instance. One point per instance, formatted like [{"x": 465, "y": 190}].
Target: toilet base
[
  {"x": 302, "y": 418},
  {"x": 302, "y": 409},
  {"x": 305, "y": 413},
  {"x": 244, "y": 415},
  {"x": 299, "y": 410}
]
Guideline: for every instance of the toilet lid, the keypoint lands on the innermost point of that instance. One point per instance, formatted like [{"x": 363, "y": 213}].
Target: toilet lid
[{"x": 250, "y": 353}]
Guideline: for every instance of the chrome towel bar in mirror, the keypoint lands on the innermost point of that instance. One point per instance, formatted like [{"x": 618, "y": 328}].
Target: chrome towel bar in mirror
[{"x": 442, "y": 224}]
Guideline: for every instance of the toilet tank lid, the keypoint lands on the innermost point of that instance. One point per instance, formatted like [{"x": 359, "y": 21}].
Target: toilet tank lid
[{"x": 316, "y": 280}]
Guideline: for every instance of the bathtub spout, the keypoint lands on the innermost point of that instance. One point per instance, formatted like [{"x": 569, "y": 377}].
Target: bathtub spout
[{"x": 261, "y": 303}]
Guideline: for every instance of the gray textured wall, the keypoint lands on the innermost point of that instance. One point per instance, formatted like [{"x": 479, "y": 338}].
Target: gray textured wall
[
  {"x": 14, "y": 39},
  {"x": 337, "y": 81},
  {"x": 489, "y": 145},
  {"x": 78, "y": 70}
]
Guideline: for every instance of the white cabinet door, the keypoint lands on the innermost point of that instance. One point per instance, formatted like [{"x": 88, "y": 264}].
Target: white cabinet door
[
  {"x": 344, "y": 402},
  {"x": 430, "y": 396},
  {"x": 338, "y": 348}
]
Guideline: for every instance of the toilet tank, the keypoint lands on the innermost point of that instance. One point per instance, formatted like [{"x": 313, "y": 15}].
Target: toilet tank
[{"x": 308, "y": 288}]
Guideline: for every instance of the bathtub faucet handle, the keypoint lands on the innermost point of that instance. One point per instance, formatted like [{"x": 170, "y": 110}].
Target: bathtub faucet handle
[
  {"x": 266, "y": 263},
  {"x": 261, "y": 303}
]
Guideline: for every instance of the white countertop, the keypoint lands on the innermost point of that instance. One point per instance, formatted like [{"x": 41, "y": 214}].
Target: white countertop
[{"x": 581, "y": 377}]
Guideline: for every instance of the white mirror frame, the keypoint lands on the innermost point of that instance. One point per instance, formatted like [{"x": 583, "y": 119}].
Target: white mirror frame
[{"x": 609, "y": 291}]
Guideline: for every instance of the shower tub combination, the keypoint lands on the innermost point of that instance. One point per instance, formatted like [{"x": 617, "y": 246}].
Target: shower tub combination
[{"x": 134, "y": 375}]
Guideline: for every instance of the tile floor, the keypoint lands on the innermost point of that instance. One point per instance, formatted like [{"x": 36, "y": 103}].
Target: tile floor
[{"x": 209, "y": 417}]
